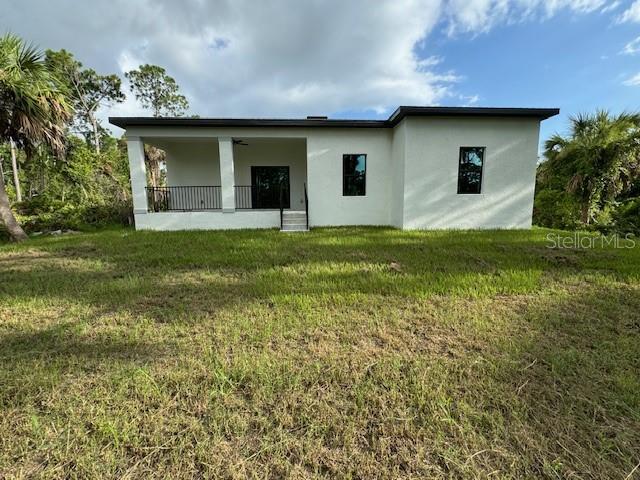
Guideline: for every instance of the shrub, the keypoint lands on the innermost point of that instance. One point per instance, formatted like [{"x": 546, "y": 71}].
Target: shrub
[
  {"x": 40, "y": 214},
  {"x": 626, "y": 218},
  {"x": 556, "y": 209}
]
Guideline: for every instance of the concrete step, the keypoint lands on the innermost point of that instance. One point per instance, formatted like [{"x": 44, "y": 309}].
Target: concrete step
[
  {"x": 295, "y": 225},
  {"x": 294, "y": 221},
  {"x": 294, "y": 228}
]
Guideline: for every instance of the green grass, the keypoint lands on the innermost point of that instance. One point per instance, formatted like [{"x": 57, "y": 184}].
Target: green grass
[{"x": 343, "y": 353}]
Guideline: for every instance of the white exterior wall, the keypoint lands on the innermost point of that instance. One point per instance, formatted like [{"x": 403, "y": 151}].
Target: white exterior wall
[
  {"x": 290, "y": 153},
  {"x": 411, "y": 176},
  {"x": 208, "y": 220},
  {"x": 192, "y": 163},
  {"x": 431, "y": 173},
  {"x": 137, "y": 169},
  {"x": 327, "y": 206},
  {"x": 398, "y": 152}
]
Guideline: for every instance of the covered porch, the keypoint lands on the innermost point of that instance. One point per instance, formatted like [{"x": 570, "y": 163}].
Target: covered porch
[{"x": 220, "y": 182}]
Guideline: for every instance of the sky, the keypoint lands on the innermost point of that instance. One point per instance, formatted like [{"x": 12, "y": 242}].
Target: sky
[{"x": 354, "y": 58}]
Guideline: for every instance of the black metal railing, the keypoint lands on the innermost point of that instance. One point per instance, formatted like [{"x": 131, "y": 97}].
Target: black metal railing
[
  {"x": 306, "y": 205},
  {"x": 202, "y": 198},
  {"x": 255, "y": 197},
  {"x": 184, "y": 199},
  {"x": 245, "y": 196}
]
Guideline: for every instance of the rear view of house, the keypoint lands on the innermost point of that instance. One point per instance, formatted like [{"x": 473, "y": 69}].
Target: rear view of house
[{"x": 422, "y": 168}]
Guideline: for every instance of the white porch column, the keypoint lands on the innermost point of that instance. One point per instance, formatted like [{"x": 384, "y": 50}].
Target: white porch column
[
  {"x": 227, "y": 176},
  {"x": 135, "y": 149}
]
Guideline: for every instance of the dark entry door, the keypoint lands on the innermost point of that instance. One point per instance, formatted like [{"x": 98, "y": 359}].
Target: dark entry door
[{"x": 266, "y": 183}]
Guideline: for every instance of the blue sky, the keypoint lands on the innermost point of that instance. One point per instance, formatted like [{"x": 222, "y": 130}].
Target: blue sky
[
  {"x": 571, "y": 62},
  {"x": 354, "y": 58},
  {"x": 574, "y": 62}
]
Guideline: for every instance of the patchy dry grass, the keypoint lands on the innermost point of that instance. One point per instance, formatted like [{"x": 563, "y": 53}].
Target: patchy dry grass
[{"x": 344, "y": 353}]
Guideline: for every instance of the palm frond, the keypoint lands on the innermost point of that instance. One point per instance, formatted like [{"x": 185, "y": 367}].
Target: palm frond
[{"x": 34, "y": 101}]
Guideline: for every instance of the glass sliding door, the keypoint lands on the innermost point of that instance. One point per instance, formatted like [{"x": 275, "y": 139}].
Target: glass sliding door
[{"x": 266, "y": 183}]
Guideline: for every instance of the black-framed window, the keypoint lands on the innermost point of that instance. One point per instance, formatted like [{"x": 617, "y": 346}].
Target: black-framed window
[
  {"x": 470, "y": 169},
  {"x": 354, "y": 174}
]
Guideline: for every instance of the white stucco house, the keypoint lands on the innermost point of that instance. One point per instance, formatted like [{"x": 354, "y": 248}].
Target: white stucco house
[{"x": 422, "y": 168}]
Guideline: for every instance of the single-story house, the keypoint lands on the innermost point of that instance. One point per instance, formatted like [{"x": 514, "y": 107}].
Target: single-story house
[{"x": 422, "y": 168}]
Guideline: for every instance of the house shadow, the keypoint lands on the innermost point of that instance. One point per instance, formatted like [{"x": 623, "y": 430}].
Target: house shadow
[
  {"x": 567, "y": 362},
  {"x": 210, "y": 271},
  {"x": 36, "y": 361}
]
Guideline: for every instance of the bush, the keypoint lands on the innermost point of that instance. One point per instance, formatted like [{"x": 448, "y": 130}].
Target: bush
[
  {"x": 626, "y": 217},
  {"x": 556, "y": 209},
  {"x": 40, "y": 214}
]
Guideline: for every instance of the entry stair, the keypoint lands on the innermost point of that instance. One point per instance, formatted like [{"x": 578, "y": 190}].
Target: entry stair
[{"x": 294, "y": 221}]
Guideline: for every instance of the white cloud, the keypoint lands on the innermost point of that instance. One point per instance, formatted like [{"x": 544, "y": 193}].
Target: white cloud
[
  {"x": 469, "y": 100},
  {"x": 578, "y": 6},
  {"x": 480, "y": 16},
  {"x": 632, "y": 47},
  {"x": 612, "y": 6},
  {"x": 632, "y": 81},
  {"x": 426, "y": 63},
  {"x": 237, "y": 58},
  {"x": 632, "y": 14},
  {"x": 248, "y": 58}
]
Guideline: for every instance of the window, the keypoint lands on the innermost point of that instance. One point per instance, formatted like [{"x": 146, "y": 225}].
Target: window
[
  {"x": 354, "y": 172},
  {"x": 470, "y": 169}
]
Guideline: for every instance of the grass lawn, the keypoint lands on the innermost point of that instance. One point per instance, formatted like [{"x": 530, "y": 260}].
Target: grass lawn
[{"x": 343, "y": 353}]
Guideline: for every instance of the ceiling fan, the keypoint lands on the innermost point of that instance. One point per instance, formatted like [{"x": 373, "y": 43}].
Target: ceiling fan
[{"x": 238, "y": 141}]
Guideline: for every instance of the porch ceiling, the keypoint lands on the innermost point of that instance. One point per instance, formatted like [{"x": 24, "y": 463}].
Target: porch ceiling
[
  {"x": 168, "y": 143},
  {"x": 165, "y": 143}
]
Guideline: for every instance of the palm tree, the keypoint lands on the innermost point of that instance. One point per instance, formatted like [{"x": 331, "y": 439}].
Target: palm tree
[
  {"x": 599, "y": 159},
  {"x": 33, "y": 109}
]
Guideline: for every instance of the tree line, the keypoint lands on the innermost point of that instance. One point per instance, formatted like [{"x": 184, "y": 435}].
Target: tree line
[
  {"x": 59, "y": 166},
  {"x": 590, "y": 178}
]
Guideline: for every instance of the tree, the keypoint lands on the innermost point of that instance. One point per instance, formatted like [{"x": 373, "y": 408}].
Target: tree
[
  {"x": 14, "y": 167},
  {"x": 6, "y": 215},
  {"x": 33, "y": 109},
  {"x": 157, "y": 91},
  {"x": 160, "y": 93},
  {"x": 596, "y": 162},
  {"x": 88, "y": 91}
]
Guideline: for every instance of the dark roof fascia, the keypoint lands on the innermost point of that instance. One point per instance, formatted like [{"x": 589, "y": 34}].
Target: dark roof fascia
[
  {"x": 407, "y": 111},
  {"x": 124, "y": 122},
  {"x": 393, "y": 120}
]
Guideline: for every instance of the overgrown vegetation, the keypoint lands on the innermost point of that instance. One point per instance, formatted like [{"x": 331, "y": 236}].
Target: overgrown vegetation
[
  {"x": 591, "y": 177},
  {"x": 344, "y": 353},
  {"x": 79, "y": 191},
  {"x": 59, "y": 167}
]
